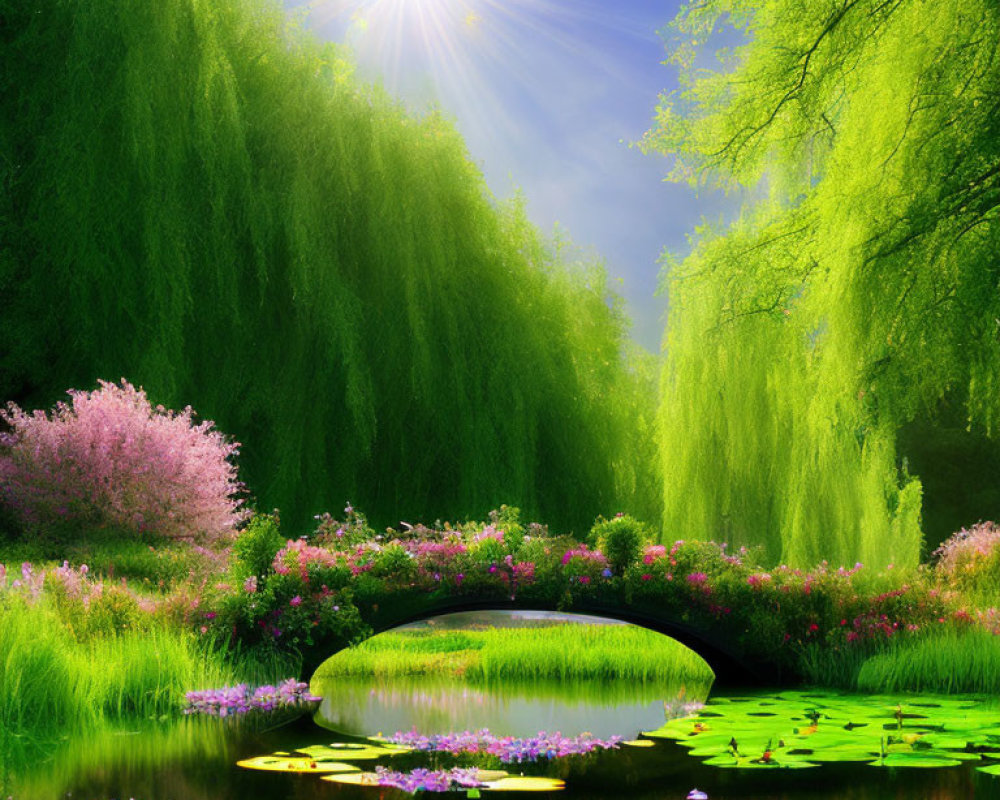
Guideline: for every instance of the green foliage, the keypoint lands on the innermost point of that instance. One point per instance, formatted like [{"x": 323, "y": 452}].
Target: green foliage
[
  {"x": 565, "y": 651},
  {"x": 621, "y": 539},
  {"x": 950, "y": 659},
  {"x": 352, "y": 530},
  {"x": 54, "y": 680},
  {"x": 202, "y": 199},
  {"x": 255, "y": 547},
  {"x": 393, "y": 562},
  {"x": 858, "y": 290},
  {"x": 508, "y": 519}
]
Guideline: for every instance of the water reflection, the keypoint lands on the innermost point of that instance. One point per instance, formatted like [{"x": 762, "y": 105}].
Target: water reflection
[
  {"x": 365, "y": 706},
  {"x": 188, "y": 759}
]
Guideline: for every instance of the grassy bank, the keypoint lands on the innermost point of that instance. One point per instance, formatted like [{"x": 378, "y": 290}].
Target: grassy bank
[
  {"x": 567, "y": 652},
  {"x": 56, "y": 678},
  {"x": 949, "y": 661}
]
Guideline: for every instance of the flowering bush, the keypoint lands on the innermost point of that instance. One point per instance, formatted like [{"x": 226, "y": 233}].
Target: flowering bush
[
  {"x": 352, "y": 530},
  {"x": 108, "y": 460},
  {"x": 621, "y": 539},
  {"x": 969, "y": 561},
  {"x": 427, "y": 780},
  {"x": 509, "y": 749},
  {"x": 240, "y": 699}
]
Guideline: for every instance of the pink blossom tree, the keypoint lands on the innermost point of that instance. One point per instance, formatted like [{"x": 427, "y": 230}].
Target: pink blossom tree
[{"x": 108, "y": 460}]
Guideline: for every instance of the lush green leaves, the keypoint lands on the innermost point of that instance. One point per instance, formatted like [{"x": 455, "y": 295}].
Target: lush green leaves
[
  {"x": 853, "y": 298},
  {"x": 198, "y": 198}
]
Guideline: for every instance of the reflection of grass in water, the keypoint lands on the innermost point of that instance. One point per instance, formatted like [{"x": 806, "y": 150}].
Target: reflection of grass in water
[
  {"x": 42, "y": 768},
  {"x": 563, "y": 652},
  {"x": 435, "y": 690}
]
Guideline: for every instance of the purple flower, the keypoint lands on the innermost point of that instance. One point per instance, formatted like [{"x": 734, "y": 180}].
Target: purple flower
[{"x": 295, "y": 601}]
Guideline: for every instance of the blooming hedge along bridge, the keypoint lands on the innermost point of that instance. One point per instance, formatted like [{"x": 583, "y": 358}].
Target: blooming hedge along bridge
[{"x": 752, "y": 625}]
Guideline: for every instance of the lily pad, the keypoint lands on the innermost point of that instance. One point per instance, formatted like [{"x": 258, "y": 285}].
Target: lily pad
[
  {"x": 915, "y": 760},
  {"x": 526, "y": 784},
  {"x": 292, "y": 764},
  {"x": 354, "y": 778},
  {"x": 350, "y": 751}
]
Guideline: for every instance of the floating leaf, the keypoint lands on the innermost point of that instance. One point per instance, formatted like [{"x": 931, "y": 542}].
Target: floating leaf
[
  {"x": 526, "y": 784},
  {"x": 350, "y": 751},
  {"x": 354, "y": 778},
  {"x": 915, "y": 760},
  {"x": 639, "y": 743},
  {"x": 291, "y": 764}
]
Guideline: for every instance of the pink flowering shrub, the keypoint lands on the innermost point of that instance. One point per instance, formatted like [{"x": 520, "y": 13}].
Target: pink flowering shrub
[
  {"x": 108, "y": 460},
  {"x": 970, "y": 561}
]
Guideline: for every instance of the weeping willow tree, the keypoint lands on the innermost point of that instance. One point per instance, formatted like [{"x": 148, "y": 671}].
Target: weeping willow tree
[
  {"x": 204, "y": 200},
  {"x": 857, "y": 292}
]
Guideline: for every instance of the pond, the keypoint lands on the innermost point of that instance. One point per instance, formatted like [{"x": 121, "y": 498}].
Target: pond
[{"x": 195, "y": 759}]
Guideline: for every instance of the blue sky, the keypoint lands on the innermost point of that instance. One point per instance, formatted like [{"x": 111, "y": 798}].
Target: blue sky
[{"x": 547, "y": 94}]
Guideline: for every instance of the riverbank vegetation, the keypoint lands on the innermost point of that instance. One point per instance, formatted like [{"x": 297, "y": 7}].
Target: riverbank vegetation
[
  {"x": 567, "y": 651},
  {"x": 202, "y": 199},
  {"x": 288, "y": 603}
]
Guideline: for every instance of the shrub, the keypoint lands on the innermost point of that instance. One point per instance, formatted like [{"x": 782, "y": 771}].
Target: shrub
[
  {"x": 970, "y": 561},
  {"x": 108, "y": 461},
  {"x": 342, "y": 534},
  {"x": 257, "y": 545},
  {"x": 621, "y": 539}
]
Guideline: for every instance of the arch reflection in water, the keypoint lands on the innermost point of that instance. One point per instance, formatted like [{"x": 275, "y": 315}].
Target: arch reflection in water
[{"x": 362, "y": 707}]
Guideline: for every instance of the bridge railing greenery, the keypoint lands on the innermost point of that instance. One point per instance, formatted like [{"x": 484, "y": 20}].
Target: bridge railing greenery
[{"x": 302, "y": 599}]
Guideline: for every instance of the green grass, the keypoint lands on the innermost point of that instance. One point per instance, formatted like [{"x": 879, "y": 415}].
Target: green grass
[
  {"x": 51, "y": 680},
  {"x": 947, "y": 661},
  {"x": 566, "y": 652},
  {"x": 150, "y": 567}
]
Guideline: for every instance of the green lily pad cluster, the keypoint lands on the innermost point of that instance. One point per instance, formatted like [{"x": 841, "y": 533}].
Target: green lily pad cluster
[{"x": 796, "y": 730}]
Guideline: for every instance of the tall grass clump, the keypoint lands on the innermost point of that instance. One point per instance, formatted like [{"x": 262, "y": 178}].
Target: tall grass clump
[
  {"x": 52, "y": 679},
  {"x": 562, "y": 652},
  {"x": 949, "y": 661}
]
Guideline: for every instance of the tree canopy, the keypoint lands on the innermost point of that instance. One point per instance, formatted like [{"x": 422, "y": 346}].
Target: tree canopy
[
  {"x": 856, "y": 293},
  {"x": 202, "y": 199}
]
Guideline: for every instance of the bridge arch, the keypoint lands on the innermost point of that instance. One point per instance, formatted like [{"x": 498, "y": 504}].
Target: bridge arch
[{"x": 731, "y": 668}]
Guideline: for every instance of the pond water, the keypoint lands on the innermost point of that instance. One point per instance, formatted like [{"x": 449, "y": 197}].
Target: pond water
[
  {"x": 362, "y": 707},
  {"x": 195, "y": 759}
]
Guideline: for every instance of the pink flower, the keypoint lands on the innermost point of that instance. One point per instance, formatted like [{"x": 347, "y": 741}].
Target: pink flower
[
  {"x": 697, "y": 578},
  {"x": 250, "y": 584},
  {"x": 295, "y": 601}
]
